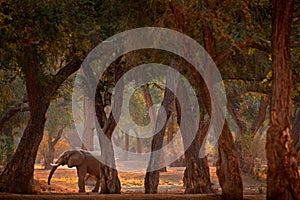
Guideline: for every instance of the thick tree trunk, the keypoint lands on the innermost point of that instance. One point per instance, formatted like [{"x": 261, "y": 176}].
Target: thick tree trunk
[
  {"x": 196, "y": 175},
  {"x": 228, "y": 166},
  {"x": 110, "y": 182},
  {"x": 283, "y": 180},
  {"x": 17, "y": 176}
]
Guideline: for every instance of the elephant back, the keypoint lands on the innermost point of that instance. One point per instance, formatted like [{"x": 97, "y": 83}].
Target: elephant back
[{"x": 76, "y": 158}]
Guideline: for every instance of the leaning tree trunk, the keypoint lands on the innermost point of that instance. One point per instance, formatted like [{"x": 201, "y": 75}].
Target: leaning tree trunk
[
  {"x": 154, "y": 165},
  {"x": 152, "y": 115},
  {"x": 17, "y": 176},
  {"x": 110, "y": 182},
  {"x": 196, "y": 175},
  {"x": 283, "y": 180},
  {"x": 228, "y": 165}
]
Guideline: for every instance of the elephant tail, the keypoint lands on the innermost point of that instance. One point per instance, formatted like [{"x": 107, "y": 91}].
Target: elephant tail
[{"x": 51, "y": 173}]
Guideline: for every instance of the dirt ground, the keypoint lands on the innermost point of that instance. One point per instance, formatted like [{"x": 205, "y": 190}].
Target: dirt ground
[{"x": 64, "y": 186}]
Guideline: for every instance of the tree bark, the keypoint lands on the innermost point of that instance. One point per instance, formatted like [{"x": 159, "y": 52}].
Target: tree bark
[
  {"x": 283, "y": 177},
  {"x": 196, "y": 175}
]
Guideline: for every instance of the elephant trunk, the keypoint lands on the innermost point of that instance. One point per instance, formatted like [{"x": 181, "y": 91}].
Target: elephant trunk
[{"x": 54, "y": 167}]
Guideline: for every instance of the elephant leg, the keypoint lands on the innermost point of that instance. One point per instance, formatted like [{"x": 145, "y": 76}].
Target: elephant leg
[
  {"x": 96, "y": 188},
  {"x": 81, "y": 172}
]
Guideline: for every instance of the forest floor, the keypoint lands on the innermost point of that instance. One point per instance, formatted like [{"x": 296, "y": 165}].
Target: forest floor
[{"x": 64, "y": 186}]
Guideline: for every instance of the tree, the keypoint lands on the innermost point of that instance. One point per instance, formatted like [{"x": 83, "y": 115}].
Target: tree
[
  {"x": 154, "y": 164},
  {"x": 228, "y": 172},
  {"x": 40, "y": 40},
  {"x": 110, "y": 182},
  {"x": 283, "y": 176}
]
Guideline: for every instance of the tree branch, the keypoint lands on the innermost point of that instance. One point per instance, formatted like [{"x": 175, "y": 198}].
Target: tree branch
[
  {"x": 228, "y": 52},
  {"x": 64, "y": 73}
]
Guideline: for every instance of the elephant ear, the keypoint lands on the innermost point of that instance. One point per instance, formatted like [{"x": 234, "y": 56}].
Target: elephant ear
[{"x": 76, "y": 158}]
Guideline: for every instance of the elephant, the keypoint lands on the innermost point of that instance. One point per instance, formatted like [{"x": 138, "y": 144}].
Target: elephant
[{"x": 84, "y": 161}]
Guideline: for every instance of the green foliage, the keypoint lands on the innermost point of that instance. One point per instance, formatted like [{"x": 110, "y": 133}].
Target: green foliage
[
  {"x": 57, "y": 29},
  {"x": 137, "y": 105}
]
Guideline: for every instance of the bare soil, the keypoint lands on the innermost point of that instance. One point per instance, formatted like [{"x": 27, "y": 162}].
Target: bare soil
[{"x": 64, "y": 186}]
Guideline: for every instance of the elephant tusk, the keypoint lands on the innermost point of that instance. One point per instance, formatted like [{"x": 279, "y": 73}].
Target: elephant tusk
[{"x": 54, "y": 165}]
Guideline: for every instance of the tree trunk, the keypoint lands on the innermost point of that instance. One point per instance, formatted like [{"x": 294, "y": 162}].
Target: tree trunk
[
  {"x": 154, "y": 165},
  {"x": 50, "y": 154},
  {"x": 139, "y": 148},
  {"x": 126, "y": 146},
  {"x": 196, "y": 175},
  {"x": 228, "y": 165},
  {"x": 283, "y": 177},
  {"x": 89, "y": 125},
  {"x": 17, "y": 176},
  {"x": 110, "y": 182},
  {"x": 152, "y": 115}
]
